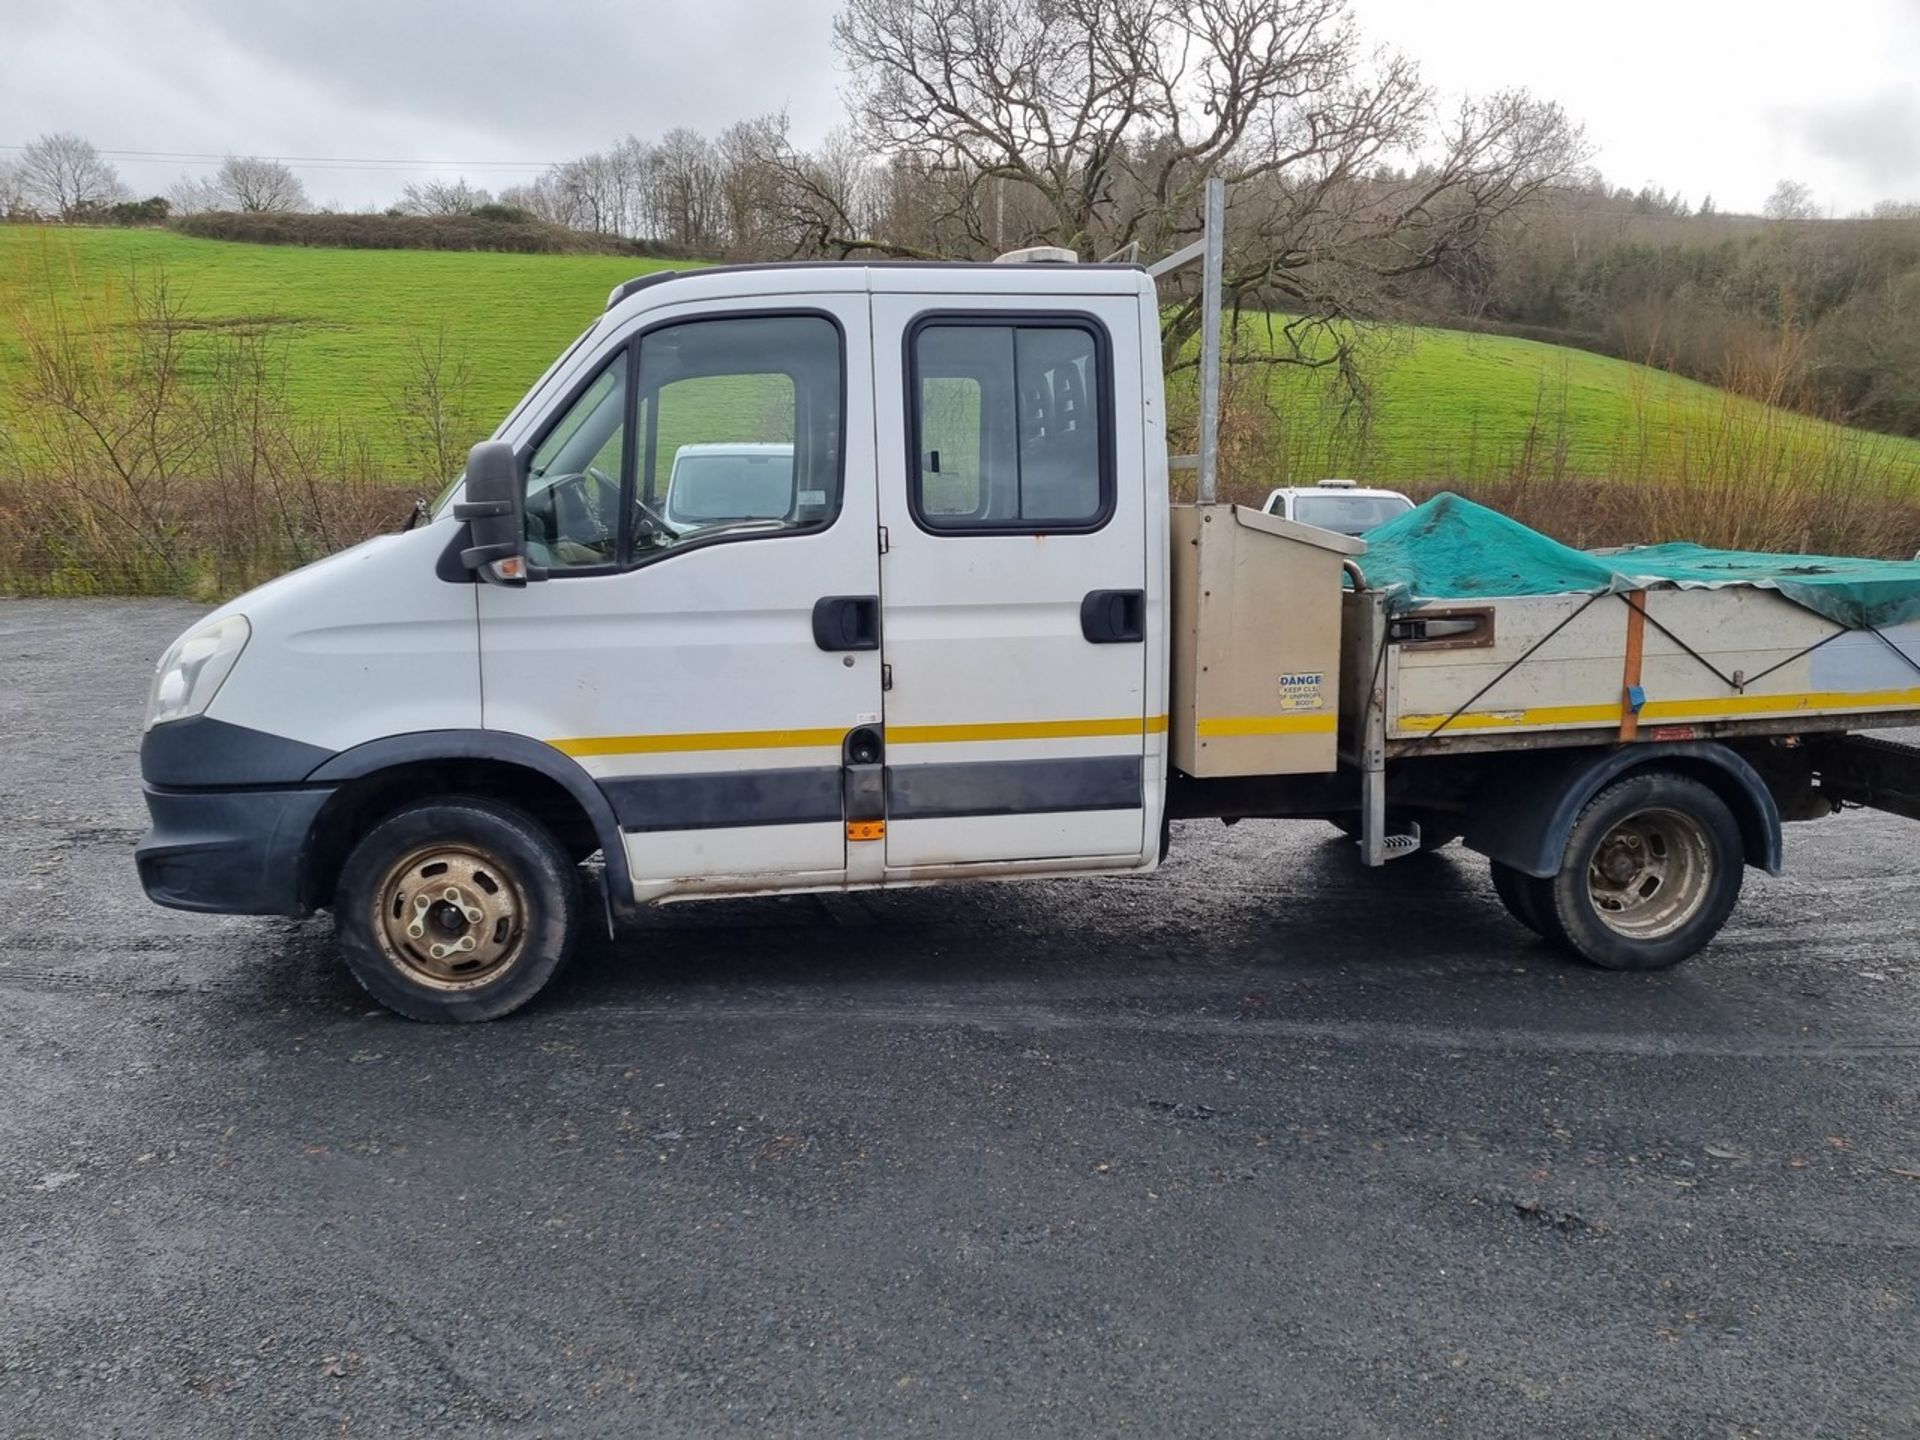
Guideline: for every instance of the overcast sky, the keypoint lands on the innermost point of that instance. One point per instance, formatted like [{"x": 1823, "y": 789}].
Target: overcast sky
[{"x": 1700, "y": 96}]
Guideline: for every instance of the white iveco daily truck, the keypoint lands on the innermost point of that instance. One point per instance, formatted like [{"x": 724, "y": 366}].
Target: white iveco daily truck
[{"x": 951, "y": 629}]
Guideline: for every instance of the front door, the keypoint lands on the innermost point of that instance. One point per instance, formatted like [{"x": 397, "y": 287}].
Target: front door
[
  {"x": 693, "y": 503},
  {"x": 1012, "y": 493}
]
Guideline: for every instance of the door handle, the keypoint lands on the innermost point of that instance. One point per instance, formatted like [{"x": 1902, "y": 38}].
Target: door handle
[
  {"x": 1114, "y": 617},
  {"x": 847, "y": 622}
]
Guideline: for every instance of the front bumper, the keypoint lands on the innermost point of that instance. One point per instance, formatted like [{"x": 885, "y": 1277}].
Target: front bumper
[{"x": 238, "y": 852}]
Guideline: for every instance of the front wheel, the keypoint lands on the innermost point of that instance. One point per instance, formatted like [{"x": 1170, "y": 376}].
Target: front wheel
[
  {"x": 457, "y": 909},
  {"x": 1652, "y": 870}
]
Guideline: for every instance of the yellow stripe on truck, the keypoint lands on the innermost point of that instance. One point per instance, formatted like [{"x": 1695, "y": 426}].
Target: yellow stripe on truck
[
  {"x": 1024, "y": 730},
  {"x": 1224, "y": 727},
  {"x": 1730, "y": 707},
  {"x": 898, "y": 734},
  {"x": 699, "y": 740}
]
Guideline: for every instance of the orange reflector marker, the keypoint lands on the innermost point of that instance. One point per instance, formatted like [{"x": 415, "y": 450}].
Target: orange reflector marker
[{"x": 866, "y": 829}]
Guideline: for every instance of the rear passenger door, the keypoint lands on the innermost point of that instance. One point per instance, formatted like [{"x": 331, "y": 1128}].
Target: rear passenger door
[{"x": 1011, "y": 492}]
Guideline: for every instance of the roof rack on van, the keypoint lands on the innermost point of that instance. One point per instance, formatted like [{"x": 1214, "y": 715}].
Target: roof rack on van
[{"x": 1038, "y": 255}]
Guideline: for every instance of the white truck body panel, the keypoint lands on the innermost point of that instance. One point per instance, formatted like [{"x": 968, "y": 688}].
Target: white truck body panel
[{"x": 358, "y": 646}]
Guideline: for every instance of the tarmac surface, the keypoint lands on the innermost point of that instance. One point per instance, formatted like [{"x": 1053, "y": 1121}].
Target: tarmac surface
[{"x": 1265, "y": 1144}]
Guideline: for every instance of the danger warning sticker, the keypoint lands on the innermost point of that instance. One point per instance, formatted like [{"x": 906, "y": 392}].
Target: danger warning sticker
[{"x": 1301, "y": 690}]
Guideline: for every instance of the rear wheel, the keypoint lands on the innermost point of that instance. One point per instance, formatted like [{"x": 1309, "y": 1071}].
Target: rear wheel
[
  {"x": 1652, "y": 870},
  {"x": 456, "y": 910},
  {"x": 1524, "y": 896}
]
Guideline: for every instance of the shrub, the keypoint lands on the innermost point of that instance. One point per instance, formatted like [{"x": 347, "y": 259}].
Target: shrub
[
  {"x": 491, "y": 227},
  {"x": 141, "y": 453}
]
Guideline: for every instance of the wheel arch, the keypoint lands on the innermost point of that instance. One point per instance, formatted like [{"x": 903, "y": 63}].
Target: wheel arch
[
  {"x": 1524, "y": 816},
  {"x": 372, "y": 780}
]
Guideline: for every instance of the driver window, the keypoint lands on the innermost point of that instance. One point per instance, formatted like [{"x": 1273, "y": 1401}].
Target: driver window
[
  {"x": 740, "y": 430},
  {"x": 573, "y": 483}
]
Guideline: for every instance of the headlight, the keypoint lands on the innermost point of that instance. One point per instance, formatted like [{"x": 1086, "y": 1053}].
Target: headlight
[{"x": 191, "y": 672}]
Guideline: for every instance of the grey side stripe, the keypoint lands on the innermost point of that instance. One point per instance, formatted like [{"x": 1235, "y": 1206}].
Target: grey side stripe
[
  {"x": 1013, "y": 787},
  {"x": 712, "y": 800}
]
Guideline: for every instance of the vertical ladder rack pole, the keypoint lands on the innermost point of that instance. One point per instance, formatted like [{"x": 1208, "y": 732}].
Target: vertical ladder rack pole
[
  {"x": 1210, "y": 251},
  {"x": 1213, "y": 267}
]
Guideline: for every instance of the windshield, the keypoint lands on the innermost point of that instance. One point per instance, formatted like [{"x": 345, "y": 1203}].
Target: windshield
[
  {"x": 1349, "y": 514},
  {"x": 731, "y": 485}
]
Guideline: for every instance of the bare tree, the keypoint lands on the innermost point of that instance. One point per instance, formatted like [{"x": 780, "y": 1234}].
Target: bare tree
[
  {"x": 782, "y": 201},
  {"x": 195, "y": 195},
  {"x": 442, "y": 197},
  {"x": 1095, "y": 124},
  {"x": 63, "y": 175},
  {"x": 433, "y": 410},
  {"x": 589, "y": 193},
  {"x": 253, "y": 183},
  {"x": 684, "y": 188},
  {"x": 13, "y": 194},
  {"x": 544, "y": 197},
  {"x": 1790, "y": 200},
  {"x": 751, "y": 180}
]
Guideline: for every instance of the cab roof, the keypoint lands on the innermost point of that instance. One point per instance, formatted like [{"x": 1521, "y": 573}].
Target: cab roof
[{"x": 893, "y": 276}]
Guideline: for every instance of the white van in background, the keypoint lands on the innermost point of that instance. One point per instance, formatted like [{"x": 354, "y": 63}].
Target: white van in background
[
  {"x": 1342, "y": 506},
  {"x": 734, "y": 483}
]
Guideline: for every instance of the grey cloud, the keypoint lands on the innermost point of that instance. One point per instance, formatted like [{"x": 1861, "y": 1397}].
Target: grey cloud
[
  {"x": 433, "y": 79},
  {"x": 1877, "y": 135},
  {"x": 579, "y": 72}
]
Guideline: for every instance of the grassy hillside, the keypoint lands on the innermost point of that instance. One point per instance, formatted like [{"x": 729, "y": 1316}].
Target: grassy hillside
[
  {"x": 1448, "y": 406},
  {"x": 350, "y": 317}
]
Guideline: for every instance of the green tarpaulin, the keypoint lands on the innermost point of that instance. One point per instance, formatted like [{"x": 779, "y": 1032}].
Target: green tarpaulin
[{"x": 1453, "y": 549}]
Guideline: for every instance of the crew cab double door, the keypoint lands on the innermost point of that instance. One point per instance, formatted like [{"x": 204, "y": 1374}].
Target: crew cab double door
[{"x": 909, "y": 639}]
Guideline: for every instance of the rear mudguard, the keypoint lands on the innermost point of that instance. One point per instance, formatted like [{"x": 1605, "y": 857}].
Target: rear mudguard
[{"x": 1526, "y": 812}]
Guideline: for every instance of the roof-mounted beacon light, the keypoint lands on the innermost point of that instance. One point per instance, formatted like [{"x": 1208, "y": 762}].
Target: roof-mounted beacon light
[{"x": 1038, "y": 255}]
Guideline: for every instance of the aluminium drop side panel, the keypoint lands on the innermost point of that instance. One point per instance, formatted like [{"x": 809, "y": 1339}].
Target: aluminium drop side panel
[
  {"x": 1575, "y": 680},
  {"x": 1257, "y": 626}
]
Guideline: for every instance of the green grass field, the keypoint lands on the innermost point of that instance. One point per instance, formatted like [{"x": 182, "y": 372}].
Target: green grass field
[
  {"x": 1449, "y": 405},
  {"x": 350, "y": 317},
  {"x": 1446, "y": 405}
]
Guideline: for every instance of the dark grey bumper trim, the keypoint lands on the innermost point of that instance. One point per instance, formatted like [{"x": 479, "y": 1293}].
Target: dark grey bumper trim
[{"x": 235, "y": 852}]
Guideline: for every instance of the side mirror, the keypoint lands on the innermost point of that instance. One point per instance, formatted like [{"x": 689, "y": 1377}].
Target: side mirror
[{"x": 492, "y": 512}]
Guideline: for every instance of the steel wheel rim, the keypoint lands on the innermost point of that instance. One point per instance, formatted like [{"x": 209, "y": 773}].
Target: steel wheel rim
[
  {"x": 1650, "y": 874},
  {"x": 450, "y": 916}
]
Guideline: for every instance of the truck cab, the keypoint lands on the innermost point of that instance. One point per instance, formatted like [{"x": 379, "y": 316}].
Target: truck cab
[{"x": 830, "y": 576}]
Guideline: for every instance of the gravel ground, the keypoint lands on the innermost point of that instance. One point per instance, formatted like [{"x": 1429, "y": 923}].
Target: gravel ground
[{"x": 1263, "y": 1145}]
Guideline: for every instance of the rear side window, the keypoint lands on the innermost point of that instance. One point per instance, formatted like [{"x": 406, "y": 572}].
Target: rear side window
[{"x": 1010, "y": 425}]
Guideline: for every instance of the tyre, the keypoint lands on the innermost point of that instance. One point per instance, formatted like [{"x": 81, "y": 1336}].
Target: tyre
[
  {"x": 457, "y": 909},
  {"x": 1437, "y": 828},
  {"x": 1652, "y": 870},
  {"x": 1524, "y": 896}
]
